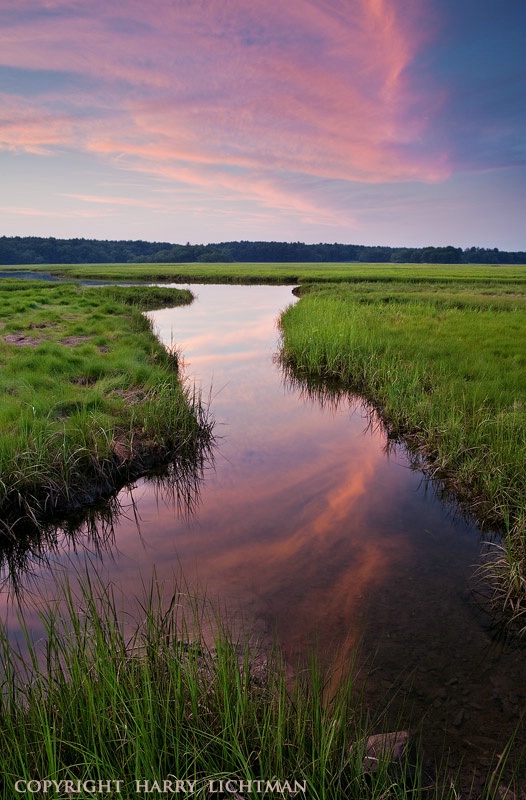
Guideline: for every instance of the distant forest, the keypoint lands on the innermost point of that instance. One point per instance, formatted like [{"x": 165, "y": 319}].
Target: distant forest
[{"x": 37, "y": 250}]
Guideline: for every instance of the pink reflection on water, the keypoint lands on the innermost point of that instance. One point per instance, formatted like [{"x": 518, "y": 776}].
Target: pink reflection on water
[{"x": 295, "y": 522}]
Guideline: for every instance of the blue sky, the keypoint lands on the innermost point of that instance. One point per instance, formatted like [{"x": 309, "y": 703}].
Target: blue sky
[{"x": 396, "y": 122}]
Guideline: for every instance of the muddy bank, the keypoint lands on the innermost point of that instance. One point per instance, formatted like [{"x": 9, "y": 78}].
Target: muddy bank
[{"x": 22, "y": 513}]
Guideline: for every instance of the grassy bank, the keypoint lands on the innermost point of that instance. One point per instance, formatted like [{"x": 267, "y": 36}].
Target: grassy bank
[
  {"x": 90, "y": 398},
  {"x": 445, "y": 366},
  {"x": 103, "y": 698},
  {"x": 287, "y": 272}
]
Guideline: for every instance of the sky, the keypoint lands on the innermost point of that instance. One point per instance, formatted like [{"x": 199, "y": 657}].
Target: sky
[{"x": 376, "y": 122}]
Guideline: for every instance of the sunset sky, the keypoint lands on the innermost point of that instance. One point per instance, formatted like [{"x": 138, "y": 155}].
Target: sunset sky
[{"x": 394, "y": 122}]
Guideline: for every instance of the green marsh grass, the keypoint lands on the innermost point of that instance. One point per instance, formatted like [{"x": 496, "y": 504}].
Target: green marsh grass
[
  {"x": 445, "y": 368},
  {"x": 291, "y": 273},
  {"x": 171, "y": 694},
  {"x": 90, "y": 397}
]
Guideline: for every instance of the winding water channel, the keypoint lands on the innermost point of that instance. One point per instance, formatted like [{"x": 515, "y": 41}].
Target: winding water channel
[{"x": 308, "y": 525}]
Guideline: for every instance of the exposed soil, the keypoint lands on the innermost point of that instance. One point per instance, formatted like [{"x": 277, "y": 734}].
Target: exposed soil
[
  {"x": 20, "y": 340},
  {"x": 73, "y": 341}
]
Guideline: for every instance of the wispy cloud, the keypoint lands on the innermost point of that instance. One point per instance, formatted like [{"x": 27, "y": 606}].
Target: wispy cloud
[
  {"x": 28, "y": 211},
  {"x": 226, "y": 95}
]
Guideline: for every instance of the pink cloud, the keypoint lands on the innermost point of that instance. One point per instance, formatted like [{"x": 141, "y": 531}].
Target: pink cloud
[
  {"x": 228, "y": 96},
  {"x": 116, "y": 201},
  {"x": 30, "y": 128}
]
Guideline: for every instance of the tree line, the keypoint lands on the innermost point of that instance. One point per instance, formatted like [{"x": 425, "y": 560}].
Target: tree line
[{"x": 40, "y": 250}]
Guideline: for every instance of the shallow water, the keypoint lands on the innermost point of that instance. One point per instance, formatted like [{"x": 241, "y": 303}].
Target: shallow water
[{"x": 310, "y": 527}]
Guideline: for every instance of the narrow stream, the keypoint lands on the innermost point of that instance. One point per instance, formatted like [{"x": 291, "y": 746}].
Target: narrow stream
[{"x": 307, "y": 526}]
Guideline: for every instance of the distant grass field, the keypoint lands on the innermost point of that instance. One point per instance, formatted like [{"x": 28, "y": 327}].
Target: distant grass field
[
  {"x": 285, "y": 272},
  {"x": 445, "y": 365},
  {"x": 89, "y": 396}
]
